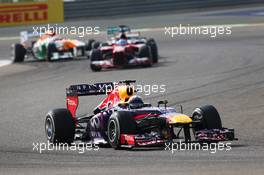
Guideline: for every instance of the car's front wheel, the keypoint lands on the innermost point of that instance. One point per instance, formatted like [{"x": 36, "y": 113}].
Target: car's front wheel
[
  {"x": 18, "y": 53},
  {"x": 96, "y": 55},
  {"x": 208, "y": 118},
  {"x": 154, "y": 49},
  {"x": 120, "y": 123},
  {"x": 145, "y": 51}
]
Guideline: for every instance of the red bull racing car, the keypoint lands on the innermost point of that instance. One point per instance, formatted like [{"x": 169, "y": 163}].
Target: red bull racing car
[{"x": 122, "y": 119}]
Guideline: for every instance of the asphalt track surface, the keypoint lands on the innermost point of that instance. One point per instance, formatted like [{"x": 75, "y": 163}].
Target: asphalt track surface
[{"x": 226, "y": 72}]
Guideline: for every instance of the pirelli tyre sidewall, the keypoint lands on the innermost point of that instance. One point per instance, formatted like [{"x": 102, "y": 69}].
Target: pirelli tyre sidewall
[
  {"x": 18, "y": 53},
  {"x": 208, "y": 116},
  {"x": 59, "y": 126},
  {"x": 120, "y": 122}
]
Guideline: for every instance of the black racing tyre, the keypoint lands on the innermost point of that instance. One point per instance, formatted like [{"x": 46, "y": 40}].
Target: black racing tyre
[
  {"x": 104, "y": 44},
  {"x": 95, "y": 45},
  {"x": 95, "y": 68},
  {"x": 82, "y": 51},
  {"x": 208, "y": 116},
  {"x": 96, "y": 55},
  {"x": 154, "y": 49},
  {"x": 59, "y": 126},
  {"x": 50, "y": 50},
  {"x": 120, "y": 122},
  {"x": 89, "y": 44},
  {"x": 19, "y": 53},
  {"x": 145, "y": 51}
]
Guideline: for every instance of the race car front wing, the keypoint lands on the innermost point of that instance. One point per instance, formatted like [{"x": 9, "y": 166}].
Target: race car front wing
[{"x": 155, "y": 139}]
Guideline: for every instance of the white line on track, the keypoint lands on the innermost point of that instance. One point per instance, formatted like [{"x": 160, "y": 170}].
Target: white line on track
[
  {"x": 9, "y": 38},
  {"x": 5, "y": 62}
]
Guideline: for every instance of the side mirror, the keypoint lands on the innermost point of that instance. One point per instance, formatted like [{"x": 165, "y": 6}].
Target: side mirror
[
  {"x": 163, "y": 102},
  {"x": 181, "y": 108}
]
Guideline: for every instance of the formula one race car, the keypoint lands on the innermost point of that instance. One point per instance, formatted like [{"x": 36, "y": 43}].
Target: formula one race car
[
  {"x": 48, "y": 47},
  {"x": 122, "y": 119},
  {"x": 123, "y": 49},
  {"x": 114, "y": 34}
]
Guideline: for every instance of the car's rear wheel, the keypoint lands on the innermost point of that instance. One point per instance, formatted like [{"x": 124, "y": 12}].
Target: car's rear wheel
[
  {"x": 96, "y": 55},
  {"x": 95, "y": 45},
  {"x": 18, "y": 53},
  {"x": 89, "y": 44},
  {"x": 208, "y": 116},
  {"x": 50, "y": 50},
  {"x": 120, "y": 123},
  {"x": 59, "y": 126}
]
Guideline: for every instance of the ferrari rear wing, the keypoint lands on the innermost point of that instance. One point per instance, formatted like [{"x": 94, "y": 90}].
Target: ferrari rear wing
[{"x": 117, "y": 29}]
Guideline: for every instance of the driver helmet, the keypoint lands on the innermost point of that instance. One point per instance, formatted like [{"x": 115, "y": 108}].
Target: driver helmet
[
  {"x": 122, "y": 42},
  {"x": 125, "y": 92},
  {"x": 135, "y": 102},
  {"x": 50, "y": 33}
]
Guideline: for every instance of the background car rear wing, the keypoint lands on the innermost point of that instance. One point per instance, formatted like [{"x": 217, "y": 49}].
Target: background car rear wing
[
  {"x": 25, "y": 36},
  {"x": 117, "y": 29}
]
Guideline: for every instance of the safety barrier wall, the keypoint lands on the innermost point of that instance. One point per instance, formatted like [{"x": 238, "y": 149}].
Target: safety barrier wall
[{"x": 95, "y": 8}]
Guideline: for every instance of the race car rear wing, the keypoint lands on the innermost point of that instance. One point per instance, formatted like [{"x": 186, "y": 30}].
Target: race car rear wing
[
  {"x": 74, "y": 91},
  {"x": 94, "y": 89},
  {"x": 87, "y": 89},
  {"x": 117, "y": 29},
  {"x": 25, "y": 36}
]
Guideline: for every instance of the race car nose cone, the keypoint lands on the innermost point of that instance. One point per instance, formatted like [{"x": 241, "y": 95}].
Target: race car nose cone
[{"x": 179, "y": 118}]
